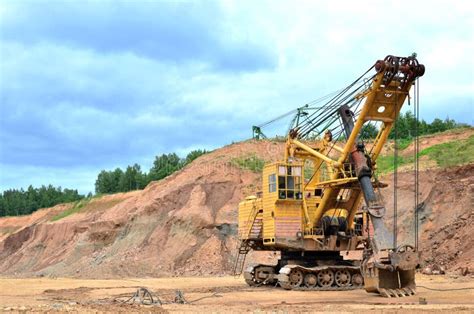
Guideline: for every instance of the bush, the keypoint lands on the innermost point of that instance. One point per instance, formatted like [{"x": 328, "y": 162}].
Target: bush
[{"x": 250, "y": 162}]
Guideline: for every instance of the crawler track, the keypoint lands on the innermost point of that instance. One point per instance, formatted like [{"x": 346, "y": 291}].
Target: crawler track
[{"x": 295, "y": 277}]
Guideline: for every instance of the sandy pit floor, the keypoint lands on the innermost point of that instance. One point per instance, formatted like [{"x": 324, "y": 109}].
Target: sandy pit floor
[{"x": 223, "y": 295}]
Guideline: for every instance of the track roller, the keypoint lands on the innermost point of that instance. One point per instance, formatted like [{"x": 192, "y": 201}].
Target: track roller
[
  {"x": 310, "y": 280},
  {"x": 326, "y": 278},
  {"x": 296, "y": 278}
]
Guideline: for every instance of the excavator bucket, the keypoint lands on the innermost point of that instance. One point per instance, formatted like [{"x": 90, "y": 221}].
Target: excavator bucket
[{"x": 394, "y": 276}]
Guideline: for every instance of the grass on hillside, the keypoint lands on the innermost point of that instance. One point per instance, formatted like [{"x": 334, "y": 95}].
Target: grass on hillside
[
  {"x": 445, "y": 155},
  {"x": 451, "y": 153},
  {"x": 250, "y": 162},
  {"x": 404, "y": 143},
  {"x": 386, "y": 164},
  {"x": 74, "y": 209}
]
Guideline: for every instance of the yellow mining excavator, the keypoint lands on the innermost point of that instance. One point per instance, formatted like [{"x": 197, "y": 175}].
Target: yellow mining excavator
[{"x": 321, "y": 204}]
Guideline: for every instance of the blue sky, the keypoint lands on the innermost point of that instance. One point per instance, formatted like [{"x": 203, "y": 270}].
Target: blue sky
[{"x": 91, "y": 85}]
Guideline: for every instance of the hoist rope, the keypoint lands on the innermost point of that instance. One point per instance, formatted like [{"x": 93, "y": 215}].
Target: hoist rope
[{"x": 416, "y": 108}]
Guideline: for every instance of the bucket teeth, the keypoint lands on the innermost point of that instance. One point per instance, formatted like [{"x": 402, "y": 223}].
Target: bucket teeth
[
  {"x": 396, "y": 293},
  {"x": 384, "y": 293},
  {"x": 408, "y": 291}
]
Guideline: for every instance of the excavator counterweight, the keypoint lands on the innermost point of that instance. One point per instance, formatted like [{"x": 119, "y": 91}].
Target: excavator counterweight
[{"x": 320, "y": 206}]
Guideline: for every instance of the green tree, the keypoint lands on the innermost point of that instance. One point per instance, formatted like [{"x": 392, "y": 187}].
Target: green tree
[
  {"x": 15, "y": 202},
  {"x": 368, "y": 131},
  {"x": 132, "y": 179},
  {"x": 192, "y": 155},
  {"x": 108, "y": 181},
  {"x": 165, "y": 165},
  {"x": 437, "y": 126},
  {"x": 116, "y": 177},
  {"x": 406, "y": 123}
]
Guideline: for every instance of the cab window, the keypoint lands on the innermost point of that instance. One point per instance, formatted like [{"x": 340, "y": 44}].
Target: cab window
[
  {"x": 271, "y": 183},
  {"x": 289, "y": 182}
]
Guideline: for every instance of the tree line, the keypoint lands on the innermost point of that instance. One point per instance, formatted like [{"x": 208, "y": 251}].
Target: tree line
[
  {"x": 16, "y": 202},
  {"x": 405, "y": 126},
  {"x": 133, "y": 178}
]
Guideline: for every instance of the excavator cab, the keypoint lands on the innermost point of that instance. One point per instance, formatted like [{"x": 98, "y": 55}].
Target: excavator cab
[{"x": 282, "y": 201}]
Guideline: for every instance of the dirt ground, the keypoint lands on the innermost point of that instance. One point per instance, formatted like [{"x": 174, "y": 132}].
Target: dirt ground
[{"x": 222, "y": 295}]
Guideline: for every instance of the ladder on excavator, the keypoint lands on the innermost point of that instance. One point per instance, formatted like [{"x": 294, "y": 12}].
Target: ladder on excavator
[{"x": 244, "y": 246}]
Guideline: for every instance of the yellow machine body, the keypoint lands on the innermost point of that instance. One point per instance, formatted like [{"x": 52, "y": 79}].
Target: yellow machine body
[{"x": 310, "y": 201}]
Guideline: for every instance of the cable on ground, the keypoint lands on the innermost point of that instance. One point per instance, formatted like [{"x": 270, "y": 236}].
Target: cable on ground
[{"x": 448, "y": 289}]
